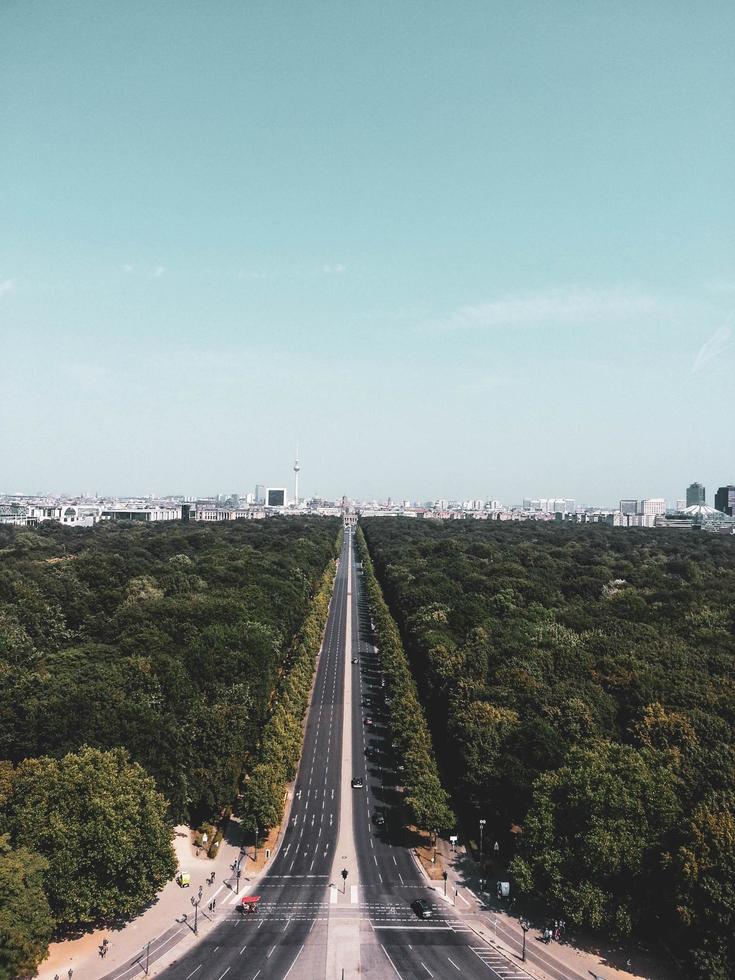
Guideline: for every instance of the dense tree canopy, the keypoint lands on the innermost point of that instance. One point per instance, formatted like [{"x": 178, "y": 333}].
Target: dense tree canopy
[
  {"x": 143, "y": 669},
  {"x": 167, "y": 640},
  {"x": 101, "y": 825},
  {"x": 584, "y": 683},
  {"x": 26, "y": 923}
]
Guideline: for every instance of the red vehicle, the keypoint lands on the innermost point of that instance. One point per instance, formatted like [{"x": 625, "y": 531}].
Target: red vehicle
[{"x": 249, "y": 904}]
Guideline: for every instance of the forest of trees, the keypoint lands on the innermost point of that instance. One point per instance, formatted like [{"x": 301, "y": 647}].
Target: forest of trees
[
  {"x": 580, "y": 684},
  {"x": 141, "y": 668}
]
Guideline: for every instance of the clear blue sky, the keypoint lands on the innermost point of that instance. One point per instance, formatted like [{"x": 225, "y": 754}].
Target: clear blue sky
[{"x": 478, "y": 248}]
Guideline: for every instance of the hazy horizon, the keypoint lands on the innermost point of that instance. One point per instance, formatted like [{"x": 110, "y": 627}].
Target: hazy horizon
[{"x": 479, "y": 251}]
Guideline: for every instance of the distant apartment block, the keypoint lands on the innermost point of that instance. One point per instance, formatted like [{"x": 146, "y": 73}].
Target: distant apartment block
[{"x": 651, "y": 506}]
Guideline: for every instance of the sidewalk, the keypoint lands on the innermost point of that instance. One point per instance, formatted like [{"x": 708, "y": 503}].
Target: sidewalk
[
  {"x": 490, "y": 920},
  {"x": 82, "y": 955}
]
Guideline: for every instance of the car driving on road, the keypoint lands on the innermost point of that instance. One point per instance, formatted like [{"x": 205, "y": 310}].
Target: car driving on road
[{"x": 422, "y": 908}]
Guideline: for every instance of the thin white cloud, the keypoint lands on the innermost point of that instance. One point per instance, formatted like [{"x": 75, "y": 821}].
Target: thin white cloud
[
  {"x": 488, "y": 383},
  {"x": 337, "y": 269},
  {"x": 716, "y": 346},
  {"x": 159, "y": 271},
  {"x": 7, "y": 286},
  {"x": 573, "y": 305},
  {"x": 253, "y": 274},
  {"x": 721, "y": 286}
]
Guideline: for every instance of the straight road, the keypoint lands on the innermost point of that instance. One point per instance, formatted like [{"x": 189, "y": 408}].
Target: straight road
[
  {"x": 271, "y": 944},
  {"x": 368, "y": 918}
]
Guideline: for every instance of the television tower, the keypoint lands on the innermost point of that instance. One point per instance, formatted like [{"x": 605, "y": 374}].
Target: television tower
[{"x": 296, "y": 469}]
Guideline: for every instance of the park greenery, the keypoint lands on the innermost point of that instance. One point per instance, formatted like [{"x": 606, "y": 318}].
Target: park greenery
[
  {"x": 425, "y": 796},
  {"x": 580, "y": 686},
  {"x": 145, "y": 674}
]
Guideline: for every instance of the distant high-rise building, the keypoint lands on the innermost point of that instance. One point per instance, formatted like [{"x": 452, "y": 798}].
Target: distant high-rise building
[
  {"x": 275, "y": 497},
  {"x": 695, "y": 494},
  {"x": 652, "y": 506},
  {"x": 628, "y": 506},
  {"x": 725, "y": 500},
  {"x": 259, "y": 493},
  {"x": 680, "y": 503}
]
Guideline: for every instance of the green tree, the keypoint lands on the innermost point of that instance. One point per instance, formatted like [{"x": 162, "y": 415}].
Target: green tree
[
  {"x": 100, "y": 823},
  {"x": 707, "y": 891},
  {"x": 26, "y": 923},
  {"x": 596, "y": 830}
]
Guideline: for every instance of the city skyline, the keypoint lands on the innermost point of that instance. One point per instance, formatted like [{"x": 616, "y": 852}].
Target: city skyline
[
  {"x": 694, "y": 493},
  {"x": 708, "y": 492},
  {"x": 477, "y": 254}
]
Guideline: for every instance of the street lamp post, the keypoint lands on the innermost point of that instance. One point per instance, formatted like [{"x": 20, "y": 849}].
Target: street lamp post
[
  {"x": 524, "y": 924},
  {"x": 195, "y": 902},
  {"x": 256, "y": 842},
  {"x": 482, "y": 825}
]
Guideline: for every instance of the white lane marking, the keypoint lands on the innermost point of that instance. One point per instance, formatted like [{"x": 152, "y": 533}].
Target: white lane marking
[
  {"x": 454, "y": 964},
  {"x": 225, "y": 973},
  {"x": 194, "y": 971},
  {"x": 293, "y": 964},
  {"x": 389, "y": 960},
  {"x": 271, "y": 952},
  {"x": 353, "y": 894},
  {"x": 463, "y": 898},
  {"x": 333, "y": 897},
  {"x": 241, "y": 952}
]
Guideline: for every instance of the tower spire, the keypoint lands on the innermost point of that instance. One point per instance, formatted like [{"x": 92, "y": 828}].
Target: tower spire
[{"x": 296, "y": 469}]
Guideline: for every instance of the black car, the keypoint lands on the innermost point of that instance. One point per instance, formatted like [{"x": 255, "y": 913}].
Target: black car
[
  {"x": 422, "y": 908},
  {"x": 356, "y": 782},
  {"x": 379, "y": 819}
]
